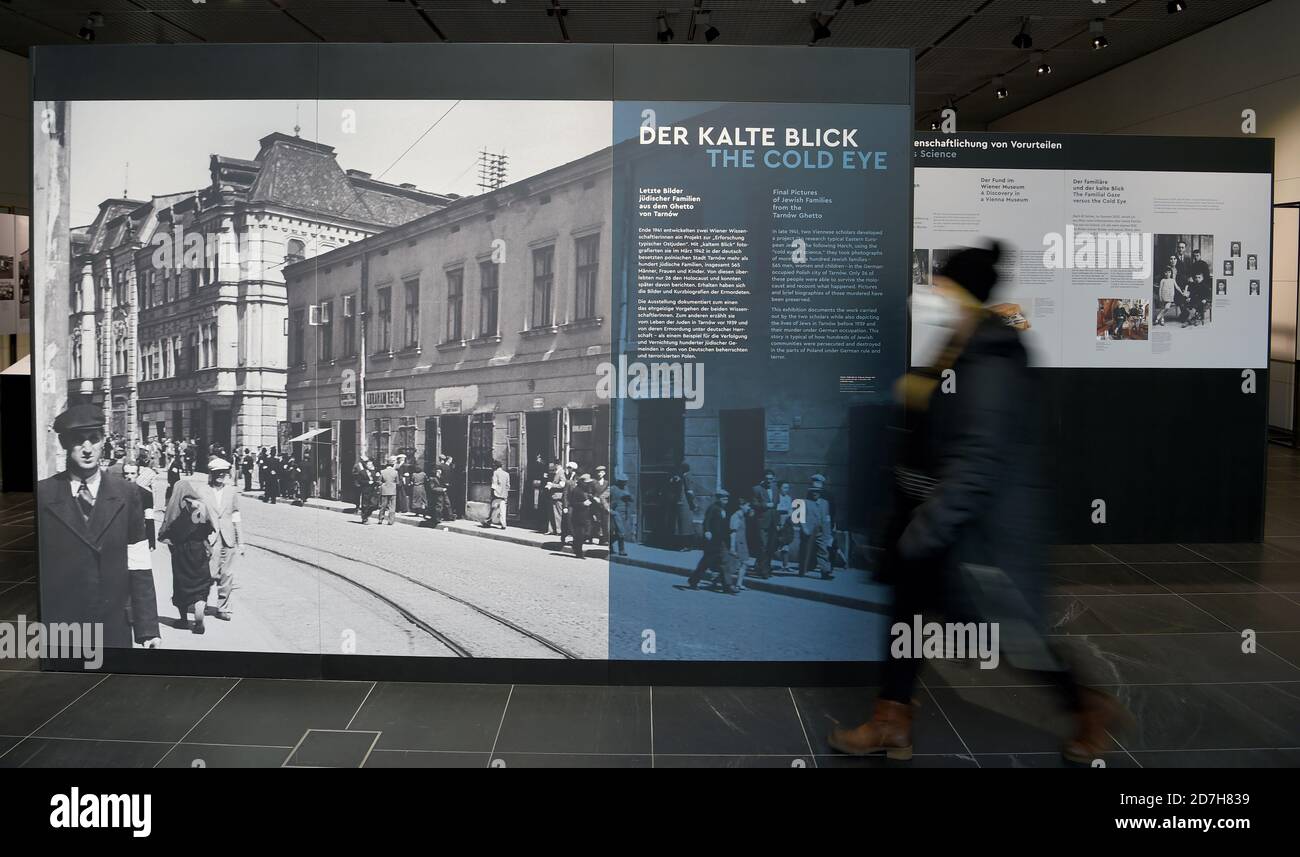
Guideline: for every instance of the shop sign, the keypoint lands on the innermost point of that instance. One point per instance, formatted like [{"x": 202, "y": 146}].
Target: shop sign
[
  {"x": 451, "y": 406},
  {"x": 538, "y": 403},
  {"x": 378, "y": 400},
  {"x": 348, "y": 389},
  {"x": 778, "y": 438}
]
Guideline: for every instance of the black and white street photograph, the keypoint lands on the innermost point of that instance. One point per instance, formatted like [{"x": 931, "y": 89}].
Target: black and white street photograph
[
  {"x": 920, "y": 267},
  {"x": 300, "y": 324}
]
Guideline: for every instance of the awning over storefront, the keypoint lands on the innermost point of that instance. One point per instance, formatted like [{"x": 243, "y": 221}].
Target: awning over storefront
[{"x": 308, "y": 435}]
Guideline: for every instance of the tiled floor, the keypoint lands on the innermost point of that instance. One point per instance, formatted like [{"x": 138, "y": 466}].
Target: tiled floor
[{"x": 1161, "y": 626}]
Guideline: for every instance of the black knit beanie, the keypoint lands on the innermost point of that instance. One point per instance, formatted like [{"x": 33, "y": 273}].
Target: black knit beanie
[{"x": 975, "y": 269}]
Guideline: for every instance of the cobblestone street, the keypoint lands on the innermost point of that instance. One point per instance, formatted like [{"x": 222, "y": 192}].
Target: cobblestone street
[{"x": 313, "y": 580}]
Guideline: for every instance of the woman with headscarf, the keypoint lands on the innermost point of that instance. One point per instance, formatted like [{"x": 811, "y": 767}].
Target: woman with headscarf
[
  {"x": 419, "y": 492},
  {"x": 173, "y": 476},
  {"x": 186, "y": 528}
]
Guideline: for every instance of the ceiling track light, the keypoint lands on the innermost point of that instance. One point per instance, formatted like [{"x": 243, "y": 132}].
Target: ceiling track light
[
  {"x": 1098, "y": 30},
  {"x": 1022, "y": 40},
  {"x": 1042, "y": 67},
  {"x": 819, "y": 29},
  {"x": 94, "y": 21},
  {"x": 711, "y": 32},
  {"x": 1000, "y": 88},
  {"x": 1173, "y": 7},
  {"x": 665, "y": 33}
]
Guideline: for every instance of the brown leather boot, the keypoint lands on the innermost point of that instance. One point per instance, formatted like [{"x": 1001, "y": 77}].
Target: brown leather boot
[
  {"x": 1101, "y": 712},
  {"x": 890, "y": 729}
]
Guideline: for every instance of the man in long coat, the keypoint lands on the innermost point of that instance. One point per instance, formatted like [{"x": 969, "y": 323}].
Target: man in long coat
[{"x": 94, "y": 549}]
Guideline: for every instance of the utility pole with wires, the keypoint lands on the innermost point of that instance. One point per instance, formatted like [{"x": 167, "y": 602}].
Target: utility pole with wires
[{"x": 491, "y": 170}]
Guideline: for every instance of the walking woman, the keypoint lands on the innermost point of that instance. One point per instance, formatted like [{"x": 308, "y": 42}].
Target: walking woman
[
  {"x": 173, "y": 476},
  {"x": 966, "y": 534},
  {"x": 186, "y": 528},
  {"x": 419, "y": 493}
]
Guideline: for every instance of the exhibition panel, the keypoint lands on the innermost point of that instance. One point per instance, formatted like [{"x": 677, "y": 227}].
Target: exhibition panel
[
  {"x": 1129, "y": 252},
  {"x": 1138, "y": 270},
  {"x": 558, "y": 332},
  {"x": 15, "y": 275}
]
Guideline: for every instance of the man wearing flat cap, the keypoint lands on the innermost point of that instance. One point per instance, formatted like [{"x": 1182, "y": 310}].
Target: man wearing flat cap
[
  {"x": 815, "y": 532},
  {"x": 222, "y": 501},
  {"x": 94, "y": 549}
]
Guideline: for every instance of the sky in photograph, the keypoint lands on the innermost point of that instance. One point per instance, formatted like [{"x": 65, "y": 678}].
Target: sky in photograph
[{"x": 152, "y": 148}]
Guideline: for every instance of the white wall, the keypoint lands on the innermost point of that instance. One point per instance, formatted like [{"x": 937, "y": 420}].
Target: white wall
[
  {"x": 1196, "y": 87},
  {"x": 15, "y": 134}
]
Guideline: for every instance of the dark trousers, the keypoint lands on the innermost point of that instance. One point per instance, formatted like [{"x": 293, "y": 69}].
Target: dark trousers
[
  {"x": 921, "y": 588},
  {"x": 248, "y": 481},
  {"x": 765, "y": 534},
  {"x": 716, "y": 560}
]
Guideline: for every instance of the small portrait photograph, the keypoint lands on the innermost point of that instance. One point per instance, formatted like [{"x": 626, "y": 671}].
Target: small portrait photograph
[
  {"x": 1123, "y": 319},
  {"x": 1236, "y": 249},
  {"x": 1229, "y": 267},
  {"x": 6, "y": 291},
  {"x": 1252, "y": 262},
  {"x": 1220, "y": 287},
  {"x": 6, "y": 267},
  {"x": 1254, "y": 287}
]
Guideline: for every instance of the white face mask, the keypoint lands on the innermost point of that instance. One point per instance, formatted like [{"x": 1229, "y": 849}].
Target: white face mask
[{"x": 935, "y": 309}]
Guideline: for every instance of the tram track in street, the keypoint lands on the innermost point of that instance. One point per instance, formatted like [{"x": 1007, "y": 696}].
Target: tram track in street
[{"x": 456, "y": 646}]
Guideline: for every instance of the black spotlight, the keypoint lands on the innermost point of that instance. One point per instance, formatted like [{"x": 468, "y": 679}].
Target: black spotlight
[
  {"x": 1042, "y": 67},
  {"x": 1173, "y": 7},
  {"x": 93, "y": 22},
  {"x": 1022, "y": 39},
  {"x": 711, "y": 32},
  {"x": 819, "y": 28},
  {"x": 665, "y": 31},
  {"x": 1098, "y": 30},
  {"x": 1000, "y": 88},
  {"x": 934, "y": 126}
]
